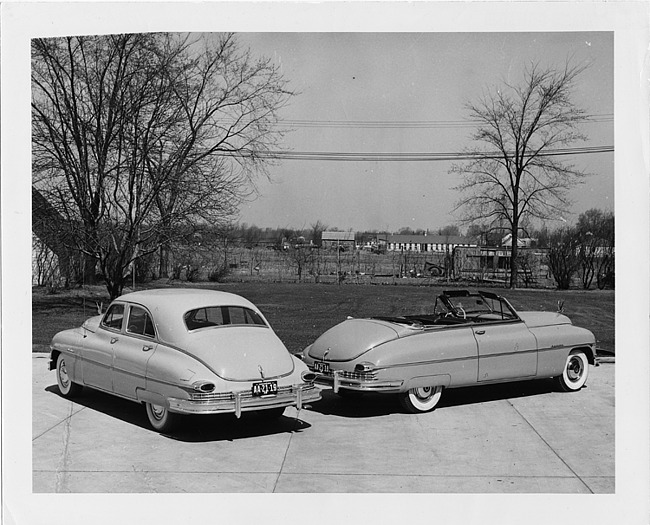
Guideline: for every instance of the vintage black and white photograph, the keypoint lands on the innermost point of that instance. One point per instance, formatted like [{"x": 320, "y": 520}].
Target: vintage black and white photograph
[{"x": 333, "y": 257}]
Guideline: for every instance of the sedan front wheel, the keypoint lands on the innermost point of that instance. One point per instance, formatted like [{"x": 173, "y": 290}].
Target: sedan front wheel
[
  {"x": 422, "y": 399},
  {"x": 66, "y": 386},
  {"x": 161, "y": 418}
]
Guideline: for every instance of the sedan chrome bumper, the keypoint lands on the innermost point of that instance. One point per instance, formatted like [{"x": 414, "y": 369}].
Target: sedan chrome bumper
[{"x": 244, "y": 401}]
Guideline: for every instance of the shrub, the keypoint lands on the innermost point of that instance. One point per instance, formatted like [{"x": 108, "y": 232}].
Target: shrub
[{"x": 218, "y": 274}]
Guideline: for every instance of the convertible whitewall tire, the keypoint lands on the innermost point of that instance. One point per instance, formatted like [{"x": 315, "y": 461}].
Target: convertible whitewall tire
[
  {"x": 576, "y": 370},
  {"x": 66, "y": 386},
  {"x": 161, "y": 418},
  {"x": 423, "y": 399}
]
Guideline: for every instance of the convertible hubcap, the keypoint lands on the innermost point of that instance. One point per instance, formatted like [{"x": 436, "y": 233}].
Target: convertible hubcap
[
  {"x": 424, "y": 392},
  {"x": 574, "y": 369}
]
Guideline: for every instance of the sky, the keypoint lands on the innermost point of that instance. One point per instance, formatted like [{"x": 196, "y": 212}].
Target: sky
[{"x": 407, "y": 93}]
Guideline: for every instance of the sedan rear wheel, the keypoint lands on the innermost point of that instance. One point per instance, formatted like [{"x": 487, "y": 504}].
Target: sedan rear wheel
[
  {"x": 576, "y": 370},
  {"x": 161, "y": 418},
  {"x": 66, "y": 386},
  {"x": 422, "y": 399}
]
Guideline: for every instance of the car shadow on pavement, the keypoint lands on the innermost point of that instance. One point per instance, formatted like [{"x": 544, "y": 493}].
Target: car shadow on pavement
[
  {"x": 373, "y": 404},
  {"x": 199, "y": 428}
]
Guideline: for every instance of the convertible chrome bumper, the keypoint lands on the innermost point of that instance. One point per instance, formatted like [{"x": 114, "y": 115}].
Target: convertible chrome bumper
[
  {"x": 243, "y": 401},
  {"x": 339, "y": 379}
]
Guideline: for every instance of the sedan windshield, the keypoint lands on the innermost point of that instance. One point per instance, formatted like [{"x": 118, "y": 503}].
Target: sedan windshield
[{"x": 221, "y": 316}]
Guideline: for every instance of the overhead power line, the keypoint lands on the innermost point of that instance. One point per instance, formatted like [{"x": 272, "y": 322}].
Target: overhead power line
[
  {"x": 407, "y": 157},
  {"x": 410, "y": 124}
]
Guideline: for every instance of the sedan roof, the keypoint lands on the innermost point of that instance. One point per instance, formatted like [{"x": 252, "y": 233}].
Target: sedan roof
[{"x": 168, "y": 305}]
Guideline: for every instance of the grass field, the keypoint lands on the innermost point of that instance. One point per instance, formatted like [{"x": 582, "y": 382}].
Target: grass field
[{"x": 299, "y": 313}]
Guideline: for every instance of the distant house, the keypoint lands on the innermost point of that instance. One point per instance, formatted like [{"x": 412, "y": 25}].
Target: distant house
[
  {"x": 426, "y": 243},
  {"x": 337, "y": 239},
  {"x": 522, "y": 242}
]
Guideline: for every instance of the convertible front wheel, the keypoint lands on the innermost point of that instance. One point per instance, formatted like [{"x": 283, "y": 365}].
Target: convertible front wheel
[
  {"x": 422, "y": 399},
  {"x": 66, "y": 386},
  {"x": 161, "y": 418},
  {"x": 576, "y": 370}
]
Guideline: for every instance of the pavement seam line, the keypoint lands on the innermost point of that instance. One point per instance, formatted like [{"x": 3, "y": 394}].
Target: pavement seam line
[
  {"x": 549, "y": 446},
  {"x": 63, "y": 421},
  {"x": 286, "y": 452},
  {"x": 61, "y": 472}
]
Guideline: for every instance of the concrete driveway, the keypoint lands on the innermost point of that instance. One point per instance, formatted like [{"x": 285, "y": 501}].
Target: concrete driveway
[{"x": 517, "y": 438}]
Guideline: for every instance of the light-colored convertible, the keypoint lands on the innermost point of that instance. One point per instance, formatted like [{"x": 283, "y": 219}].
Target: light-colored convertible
[
  {"x": 183, "y": 352},
  {"x": 469, "y": 339}
]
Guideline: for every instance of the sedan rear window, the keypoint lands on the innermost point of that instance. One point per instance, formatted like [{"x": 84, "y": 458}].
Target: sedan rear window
[
  {"x": 140, "y": 322},
  {"x": 221, "y": 316}
]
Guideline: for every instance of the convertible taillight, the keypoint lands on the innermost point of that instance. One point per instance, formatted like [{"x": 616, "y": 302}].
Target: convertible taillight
[
  {"x": 364, "y": 368},
  {"x": 364, "y": 371}
]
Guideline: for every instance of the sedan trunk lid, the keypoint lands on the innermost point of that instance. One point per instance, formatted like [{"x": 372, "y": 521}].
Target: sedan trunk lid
[{"x": 241, "y": 353}]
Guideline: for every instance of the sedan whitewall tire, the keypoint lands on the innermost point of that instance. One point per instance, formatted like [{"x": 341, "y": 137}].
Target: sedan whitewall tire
[
  {"x": 576, "y": 370},
  {"x": 422, "y": 399},
  {"x": 66, "y": 386},
  {"x": 161, "y": 418}
]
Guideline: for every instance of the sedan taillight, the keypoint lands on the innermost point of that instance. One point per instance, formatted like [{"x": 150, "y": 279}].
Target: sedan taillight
[{"x": 204, "y": 386}]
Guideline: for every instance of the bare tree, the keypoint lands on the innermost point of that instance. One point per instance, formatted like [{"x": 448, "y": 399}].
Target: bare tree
[
  {"x": 316, "y": 233},
  {"x": 137, "y": 139},
  {"x": 595, "y": 231},
  {"x": 299, "y": 256},
  {"x": 563, "y": 260},
  {"x": 514, "y": 174},
  {"x": 227, "y": 107}
]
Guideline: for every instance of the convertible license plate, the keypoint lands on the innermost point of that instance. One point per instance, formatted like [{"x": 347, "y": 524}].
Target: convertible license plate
[
  {"x": 321, "y": 368},
  {"x": 267, "y": 388}
]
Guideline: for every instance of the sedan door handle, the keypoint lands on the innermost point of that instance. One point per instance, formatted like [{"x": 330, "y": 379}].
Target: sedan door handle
[
  {"x": 114, "y": 340},
  {"x": 479, "y": 332},
  {"x": 146, "y": 348}
]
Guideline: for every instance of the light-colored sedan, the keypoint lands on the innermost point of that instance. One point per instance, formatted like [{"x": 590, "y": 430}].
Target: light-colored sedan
[
  {"x": 183, "y": 351},
  {"x": 468, "y": 339}
]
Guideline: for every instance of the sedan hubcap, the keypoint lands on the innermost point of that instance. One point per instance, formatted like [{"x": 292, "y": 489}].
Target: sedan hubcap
[
  {"x": 63, "y": 374},
  {"x": 574, "y": 369},
  {"x": 158, "y": 412}
]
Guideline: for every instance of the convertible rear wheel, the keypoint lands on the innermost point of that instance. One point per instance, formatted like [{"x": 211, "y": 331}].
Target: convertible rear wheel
[
  {"x": 575, "y": 372},
  {"x": 160, "y": 418},
  {"x": 66, "y": 386},
  {"x": 422, "y": 399}
]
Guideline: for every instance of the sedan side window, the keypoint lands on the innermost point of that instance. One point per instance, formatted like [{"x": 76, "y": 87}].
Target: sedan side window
[
  {"x": 114, "y": 316},
  {"x": 140, "y": 322}
]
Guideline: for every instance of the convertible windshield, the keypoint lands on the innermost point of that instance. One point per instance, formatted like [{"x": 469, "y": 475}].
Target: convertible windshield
[
  {"x": 482, "y": 305},
  {"x": 221, "y": 316}
]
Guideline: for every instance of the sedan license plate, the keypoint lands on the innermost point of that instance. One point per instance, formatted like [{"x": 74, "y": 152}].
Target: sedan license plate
[
  {"x": 266, "y": 388},
  {"x": 321, "y": 368}
]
